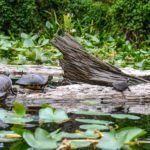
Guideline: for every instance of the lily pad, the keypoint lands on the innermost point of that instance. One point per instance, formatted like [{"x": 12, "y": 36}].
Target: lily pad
[
  {"x": 93, "y": 121},
  {"x": 115, "y": 140},
  {"x": 40, "y": 139},
  {"x": 52, "y": 115},
  {"x": 125, "y": 116},
  {"x": 93, "y": 127},
  {"x": 13, "y": 118},
  {"x": 80, "y": 144}
]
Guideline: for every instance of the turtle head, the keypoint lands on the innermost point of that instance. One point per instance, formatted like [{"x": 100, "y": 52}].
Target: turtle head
[{"x": 7, "y": 73}]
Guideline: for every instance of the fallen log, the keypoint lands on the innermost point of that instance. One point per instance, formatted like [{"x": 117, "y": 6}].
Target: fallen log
[
  {"x": 80, "y": 66},
  {"x": 17, "y": 70},
  {"x": 87, "y": 97}
]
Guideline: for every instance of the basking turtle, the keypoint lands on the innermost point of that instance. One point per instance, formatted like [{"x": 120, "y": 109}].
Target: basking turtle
[
  {"x": 120, "y": 85},
  {"x": 5, "y": 86},
  {"x": 34, "y": 81}
]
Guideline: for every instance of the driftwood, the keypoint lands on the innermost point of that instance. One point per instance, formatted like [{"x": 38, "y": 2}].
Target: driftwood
[
  {"x": 17, "y": 70},
  {"x": 80, "y": 66}
]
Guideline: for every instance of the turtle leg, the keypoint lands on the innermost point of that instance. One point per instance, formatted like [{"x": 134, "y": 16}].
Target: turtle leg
[
  {"x": 13, "y": 92},
  {"x": 126, "y": 108}
]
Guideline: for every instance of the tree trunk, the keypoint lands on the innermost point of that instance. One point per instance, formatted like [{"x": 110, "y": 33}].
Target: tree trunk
[{"x": 80, "y": 66}]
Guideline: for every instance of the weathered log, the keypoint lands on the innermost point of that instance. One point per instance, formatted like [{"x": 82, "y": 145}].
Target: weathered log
[
  {"x": 88, "y": 97},
  {"x": 80, "y": 66},
  {"x": 17, "y": 70}
]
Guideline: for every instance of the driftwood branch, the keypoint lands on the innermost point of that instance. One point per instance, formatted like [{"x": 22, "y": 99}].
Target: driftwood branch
[{"x": 80, "y": 66}]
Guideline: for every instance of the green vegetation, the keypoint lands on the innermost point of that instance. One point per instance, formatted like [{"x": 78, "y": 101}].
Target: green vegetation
[
  {"x": 49, "y": 130},
  {"x": 116, "y": 31}
]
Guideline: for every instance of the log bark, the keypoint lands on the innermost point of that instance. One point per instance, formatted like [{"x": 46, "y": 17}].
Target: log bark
[
  {"x": 17, "y": 70},
  {"x": 87, "y": 97},
  {"x": 80, "y": 66}
]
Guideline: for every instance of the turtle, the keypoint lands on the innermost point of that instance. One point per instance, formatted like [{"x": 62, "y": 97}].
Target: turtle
[
  {"x": 33, "y": 81},
  {"x": 120, "y": 85},
  {"x": 5, "y": 86}
]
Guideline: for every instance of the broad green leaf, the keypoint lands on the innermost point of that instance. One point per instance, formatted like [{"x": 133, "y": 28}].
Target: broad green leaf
[
  {"x": 93, "y": 121},
  {"x": 124, "y": 116},
  {"x": 19, "y": 109},
  {"x": 93, "y": 127},
  {"x": 52, "y": 115},
  {"x": 80, "y": 144},
  {"x": 80, "y": 135},
  {"x": 12, "y": 118},
  {"x": 28, "y": 43},
  {"x": 132, "y": 133},
  {"x": 39, "y": 142},
  {"x": 46, "y": 41},
  {"x": 109, "y": 142},
  {"x": 24, "y": 35},
  {"x": 15, "y": 119},
  {"x": 115, "y": 140}
]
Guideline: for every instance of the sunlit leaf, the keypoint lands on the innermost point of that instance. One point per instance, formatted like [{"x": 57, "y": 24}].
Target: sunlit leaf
[
  {"x": 28, "y": 43},
  {"x": 40, "y": 140},
  {"x": 19, "y": 109},
  {"x": 80, "y": 144},
  {"x": 125, "y": 116},
  {"x": 115, "y": 140},
  {"x": 52, "y": 115},
  {"x": 93, "y": 127},
  {"x": 93, "y": 121}
]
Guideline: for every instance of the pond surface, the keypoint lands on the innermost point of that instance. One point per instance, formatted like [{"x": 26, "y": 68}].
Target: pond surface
[{"x": 72, "y": 125}]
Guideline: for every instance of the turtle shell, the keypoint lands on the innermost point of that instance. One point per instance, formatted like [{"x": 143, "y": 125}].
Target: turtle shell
[
  {"x": 120, "y": 85},
  {"x": 33, "y": 81},
  {"x": 5, "y": 85}
]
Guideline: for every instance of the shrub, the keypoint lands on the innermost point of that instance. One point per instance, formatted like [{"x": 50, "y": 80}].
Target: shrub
[{"x": 132, "y": 17}]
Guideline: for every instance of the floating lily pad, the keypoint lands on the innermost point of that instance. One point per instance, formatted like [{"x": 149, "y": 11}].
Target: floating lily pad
[
  {"x": 13, "y": 118},
  {"x": 125, "y": 116},
  {"x": 115, "y": 140},
  {"x": 40, "y": 139},
  {"x": 80, "y": 144},
  {"x": 52, "y": 115},
  {"x": 80, "y": 135},
  {"x": 93, "y": 127},
  {"x": 93, "y": 121}
]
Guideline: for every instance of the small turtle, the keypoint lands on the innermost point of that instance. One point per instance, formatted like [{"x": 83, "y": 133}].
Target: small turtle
[
  {"x": 34, "y": 81},
  {"x": 5, "y": 86},
  {"x": 120, "y": 85}
]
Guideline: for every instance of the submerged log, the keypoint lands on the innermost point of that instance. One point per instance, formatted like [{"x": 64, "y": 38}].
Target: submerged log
[
  {"x": 87, "y": 97},
  {"x": 80, "y": 66}
]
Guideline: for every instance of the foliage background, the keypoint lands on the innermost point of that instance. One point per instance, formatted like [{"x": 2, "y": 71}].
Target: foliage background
[{"x": 115, "y": 30}]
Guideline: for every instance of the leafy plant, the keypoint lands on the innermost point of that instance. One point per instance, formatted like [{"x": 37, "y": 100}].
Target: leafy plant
[
  {"x": 115, "y": 140},
  {"x": 52, "y": 115}
]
